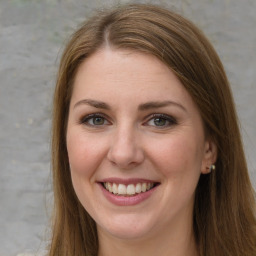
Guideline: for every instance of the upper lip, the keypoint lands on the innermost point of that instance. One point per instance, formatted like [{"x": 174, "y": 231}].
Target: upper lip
[{"x": 127, "y": 181}]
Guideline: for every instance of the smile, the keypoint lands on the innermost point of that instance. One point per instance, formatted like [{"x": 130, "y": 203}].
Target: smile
[
  {"x": 127, "y": 192},
  {"x": 129, "y": 189}
]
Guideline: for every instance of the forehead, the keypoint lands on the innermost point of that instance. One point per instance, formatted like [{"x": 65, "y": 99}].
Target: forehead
[{"x": 124, "y": 74}]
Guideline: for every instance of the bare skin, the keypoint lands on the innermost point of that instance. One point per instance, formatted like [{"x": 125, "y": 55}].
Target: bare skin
[{"x": 131, "y": 120}]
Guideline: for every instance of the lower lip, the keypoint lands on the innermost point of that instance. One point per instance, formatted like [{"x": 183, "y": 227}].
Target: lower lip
[{"x": 127, "y": 200}]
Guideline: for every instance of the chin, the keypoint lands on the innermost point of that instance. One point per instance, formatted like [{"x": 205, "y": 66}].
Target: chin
[{"x": 126, "y": 228}]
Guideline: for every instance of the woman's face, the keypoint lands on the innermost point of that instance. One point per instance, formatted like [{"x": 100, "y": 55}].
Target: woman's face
[{"x": 136, "y": 145}]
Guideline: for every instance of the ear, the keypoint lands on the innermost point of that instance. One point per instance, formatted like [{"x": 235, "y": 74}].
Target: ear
[{"x": 209, "y": 157}]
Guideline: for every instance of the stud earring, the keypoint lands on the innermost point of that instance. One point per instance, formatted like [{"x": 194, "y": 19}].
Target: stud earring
[{"x": 211, "y": 168}]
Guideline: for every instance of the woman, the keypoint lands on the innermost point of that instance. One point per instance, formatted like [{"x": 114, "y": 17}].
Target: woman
[{"x": 147, "y": 153}]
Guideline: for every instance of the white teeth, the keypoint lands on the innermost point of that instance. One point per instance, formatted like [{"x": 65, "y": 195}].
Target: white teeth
[
  {"x": 109, "y": 187},
  {"x": 114, "y": 188},
  {"x": 121, "y": 189},
  {"x": 138, "y": 188},
  {"x": 144, "y": 187},
  {"x": 128, "y": 190}
]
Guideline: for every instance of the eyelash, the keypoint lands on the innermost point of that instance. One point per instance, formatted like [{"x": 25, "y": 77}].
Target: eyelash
[
  {"x": 166, "y": 118},
  {"x": 85, "y": 120},
  {"x": 169, "y": 119}
]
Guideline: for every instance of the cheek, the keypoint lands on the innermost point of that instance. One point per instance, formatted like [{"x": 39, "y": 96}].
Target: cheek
[
  {"x": 85, "y": 152},
  {"x": 178, "y": 155}
]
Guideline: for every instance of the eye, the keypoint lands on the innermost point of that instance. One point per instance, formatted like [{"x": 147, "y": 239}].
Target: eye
[
  {"x": 161, "y": 121},
  {"x": 94, "y": 120}
]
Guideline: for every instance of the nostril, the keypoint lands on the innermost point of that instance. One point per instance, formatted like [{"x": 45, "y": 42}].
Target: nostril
[{"x": 126, "y": 160}]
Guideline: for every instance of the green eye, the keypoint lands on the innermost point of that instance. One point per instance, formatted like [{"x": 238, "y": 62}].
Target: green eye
[
  {"x": 94, "y": 120},
  {"x": 97, "y": 121},
  {"x": 160, "y": 121}
]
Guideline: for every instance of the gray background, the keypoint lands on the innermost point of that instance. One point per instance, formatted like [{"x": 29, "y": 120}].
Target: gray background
[{"x": 32, "y": 36}]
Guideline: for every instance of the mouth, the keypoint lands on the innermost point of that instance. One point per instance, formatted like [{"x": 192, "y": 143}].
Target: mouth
[{"x": 128, "y": 190}]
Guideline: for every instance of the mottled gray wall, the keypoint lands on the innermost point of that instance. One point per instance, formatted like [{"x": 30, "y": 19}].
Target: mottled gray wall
[{"x": 32, "y": 35}]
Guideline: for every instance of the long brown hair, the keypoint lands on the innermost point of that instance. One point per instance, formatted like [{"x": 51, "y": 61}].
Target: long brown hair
[{"x": 224, "y": 217}]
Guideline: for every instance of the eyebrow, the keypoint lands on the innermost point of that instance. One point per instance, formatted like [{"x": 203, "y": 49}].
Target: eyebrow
[
  {"x": 93, "y": 103},
  {"x": 160, "y": 104},
  {"x": 142, "y": 107}
]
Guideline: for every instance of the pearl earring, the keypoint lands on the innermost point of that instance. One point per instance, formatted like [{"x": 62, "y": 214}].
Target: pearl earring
[{"x": 212, "y": 168}]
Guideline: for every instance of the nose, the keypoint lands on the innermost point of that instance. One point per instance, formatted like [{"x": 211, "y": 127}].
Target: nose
[{"x": 125, "y": 151}]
